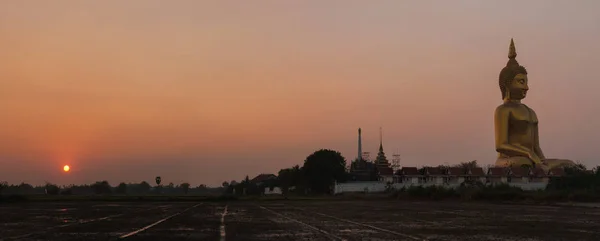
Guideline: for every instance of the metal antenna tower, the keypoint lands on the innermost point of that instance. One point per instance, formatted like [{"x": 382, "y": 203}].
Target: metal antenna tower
[{"x": 395, "y": 161}]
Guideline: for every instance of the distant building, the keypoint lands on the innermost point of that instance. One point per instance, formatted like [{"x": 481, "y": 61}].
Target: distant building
[
  {"x": 366, "y": 176},
  {"x": 409, "y": 175},
  {"x": 475, "y": 174},
  {"x": 384, "y": 170},
  {"x": 386, "y": 175},
  {"x": 273, "y": 191},
  {"x": 538, "y": 175},
  {"x": 362, "y": 169},
  {"x": 433, "y": 176},
  {"x": 381, "y": 160},
  {"x": 263, "y": 179},
  {"x": 524, "y": 178},
  {"x": 497, "y": 175},
  {"x": 455, "y": 175},
  {"x": 518, "y": 175}
]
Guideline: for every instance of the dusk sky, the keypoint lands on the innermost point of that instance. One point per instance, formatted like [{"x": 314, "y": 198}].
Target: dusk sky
[{"x": 212, "y": 91}]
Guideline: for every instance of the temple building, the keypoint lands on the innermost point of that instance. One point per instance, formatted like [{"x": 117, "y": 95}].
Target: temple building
[
  {"x": 362, "y": 169},
  {"x": 381, "y": 160},
  {"x": 384, "y": 169}
]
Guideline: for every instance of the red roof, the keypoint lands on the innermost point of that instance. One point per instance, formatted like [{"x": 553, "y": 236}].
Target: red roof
[
  {"x": 385, "y": 171},
  {"x": 476, "y": 171},
  {"x": 519, "y": 171},
  {"x": 497, "y": 171},
  {"x": 556, "y": 172},
  {"x": 263, "y": 177},
  {"x": 410, "y": 171},
  {"x": 456, "y": 171},
  {"x": 433, "y": 171}
]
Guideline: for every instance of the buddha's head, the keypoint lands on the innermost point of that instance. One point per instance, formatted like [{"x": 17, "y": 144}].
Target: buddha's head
[{"x": 513, "y": 77}]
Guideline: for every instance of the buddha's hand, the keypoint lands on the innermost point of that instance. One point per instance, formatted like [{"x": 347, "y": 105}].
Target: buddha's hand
[{"x": 535, "y": 158}]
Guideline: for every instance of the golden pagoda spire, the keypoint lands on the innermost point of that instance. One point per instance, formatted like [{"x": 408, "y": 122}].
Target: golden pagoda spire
[{"x": 512, "y": 52}]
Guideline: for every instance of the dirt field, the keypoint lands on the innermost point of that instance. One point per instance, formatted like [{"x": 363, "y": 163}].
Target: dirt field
[{"x": 296, "y": 220}]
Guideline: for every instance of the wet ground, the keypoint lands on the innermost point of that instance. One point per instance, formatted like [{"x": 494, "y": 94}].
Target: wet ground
[{"x": 297, "y": 220}]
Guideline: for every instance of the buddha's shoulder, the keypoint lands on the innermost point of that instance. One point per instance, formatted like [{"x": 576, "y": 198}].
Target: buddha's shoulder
[{"x": 506, "y": 108}]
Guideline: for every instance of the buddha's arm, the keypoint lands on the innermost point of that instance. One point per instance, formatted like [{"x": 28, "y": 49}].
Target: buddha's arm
[
  {"x": 536, "y": 143},
  {"x": 501, "y": 118},
  {"x": 536, "y": 137}
]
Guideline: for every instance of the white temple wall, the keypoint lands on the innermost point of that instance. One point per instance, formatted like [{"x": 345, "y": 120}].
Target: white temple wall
[{"x": 380, "y": 187}]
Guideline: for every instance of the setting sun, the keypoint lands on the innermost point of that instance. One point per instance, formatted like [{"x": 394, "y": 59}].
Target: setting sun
[{"x": 66, "y": 168}]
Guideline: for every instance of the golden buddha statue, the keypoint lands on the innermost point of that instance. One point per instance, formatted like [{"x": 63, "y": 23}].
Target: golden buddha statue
[{"x": 516, "y": 125}]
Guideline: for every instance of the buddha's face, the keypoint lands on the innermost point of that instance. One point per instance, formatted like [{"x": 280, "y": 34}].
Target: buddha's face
[{"x": 518, "y": 87}]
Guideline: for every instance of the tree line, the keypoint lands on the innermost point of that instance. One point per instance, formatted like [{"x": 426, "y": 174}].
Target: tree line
[
  {"x": 104, "y": 188},
  {"x": 317, "y": 175}
]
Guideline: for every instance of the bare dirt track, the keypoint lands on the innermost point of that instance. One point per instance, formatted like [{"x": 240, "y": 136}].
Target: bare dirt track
[{"x": 296, "y": 220}]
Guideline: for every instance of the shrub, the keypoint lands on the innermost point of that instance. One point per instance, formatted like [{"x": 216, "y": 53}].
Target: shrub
[
  {"x": 13, "y": 198},
  {"x": 66, "y": 192}
]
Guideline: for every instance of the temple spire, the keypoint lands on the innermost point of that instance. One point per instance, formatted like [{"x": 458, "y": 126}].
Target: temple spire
[
  {"x": 359, "y": 157},
  {"x": 380, "y": 140},
  {"x": 381, "y": 159}
]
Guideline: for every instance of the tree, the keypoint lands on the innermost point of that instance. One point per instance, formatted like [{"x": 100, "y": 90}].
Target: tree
[
  {"x": 245, "y": 185},
  {"x": 186, "y": 187},
  {"x": 225, "y": 184},
  {"x": 25, "y": 188},
  {"x": 469, "y": 165},
  {"x": 144, "y": 187},
  {"x": 576, "y": 178},
  {"x": 3, "y": 185},
  {"x": 298, "y": 179},
  {"x": 52, "y": 189},
  {"x": 286, "y": 178},
  {"x": 577, "y": 169},
  {"x": 122, "y": 188},
  {"x": 322, "y": 168},
  {"x": 101, "y": 187}
]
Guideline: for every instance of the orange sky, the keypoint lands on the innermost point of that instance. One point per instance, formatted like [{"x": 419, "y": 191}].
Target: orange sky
[{"x": 206, "y": 92}]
